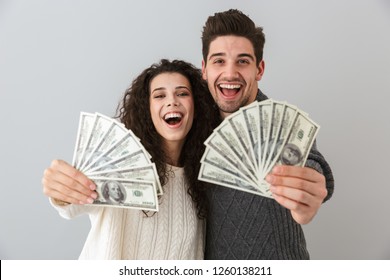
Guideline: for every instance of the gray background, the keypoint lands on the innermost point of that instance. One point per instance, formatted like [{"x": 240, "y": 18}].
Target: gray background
[{"x": 57, "y": 58}]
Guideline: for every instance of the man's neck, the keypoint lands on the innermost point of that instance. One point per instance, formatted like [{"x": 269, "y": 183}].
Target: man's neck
[{"x": 226, "y": 114}]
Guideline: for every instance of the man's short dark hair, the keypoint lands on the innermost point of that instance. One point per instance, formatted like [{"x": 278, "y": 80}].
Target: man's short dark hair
[{"x": 232, "y": 22}]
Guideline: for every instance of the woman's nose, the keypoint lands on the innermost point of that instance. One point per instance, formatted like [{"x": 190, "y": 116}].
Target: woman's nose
[{"x": 172, "y": 102}]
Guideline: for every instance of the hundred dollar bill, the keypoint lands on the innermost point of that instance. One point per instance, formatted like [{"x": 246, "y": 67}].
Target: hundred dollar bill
[
  {"x": 288, "y": 118},
  {"x": 214, "y": 175},
  {"x": 125, "y": 193},
  {"x": 135, "y": 158},
  {"x": 213, "y": 157},
  {"x": 236, "y": 126},
  {"x": 101, "y": 126},
  {"x": 144, "y": 173},
  {"x": 276, "y": 124},
  {"x": 299, "y": 142},
  {"x": 251, "y": 118},
  {"x": 229, "y": 136},
  {"x": 125, "y": 146},
  {"x": 225, "y": 149},
  {"x": 85, "y": 126},
  {"x": 265, "y": 113},
  {"x": 111, "y": 136},
  {"x": 285, "y": 133}
]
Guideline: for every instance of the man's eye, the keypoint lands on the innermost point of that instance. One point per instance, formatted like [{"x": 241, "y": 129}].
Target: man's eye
[
  {"x": 243, "y": 61},
  {"x": 218, "y": 61}
]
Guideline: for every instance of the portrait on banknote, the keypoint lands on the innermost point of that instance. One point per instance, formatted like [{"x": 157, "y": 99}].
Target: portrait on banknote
[
  {"x": 291, "y": 155},
  {"x": 113, "y": 193}
]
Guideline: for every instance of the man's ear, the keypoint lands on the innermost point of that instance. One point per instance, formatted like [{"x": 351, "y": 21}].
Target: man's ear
[
  {"x": 204, "y": 74},
  {"x": 260, "y": 70}
]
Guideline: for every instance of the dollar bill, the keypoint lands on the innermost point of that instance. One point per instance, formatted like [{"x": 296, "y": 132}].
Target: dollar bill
[
  {"x": 118, "y": 192},
  {"x": 235, "y": 168},
  {"x": 288, "y": 117},
  {"x": 265, "y": 112},
  {"x": 135, "y": 158},
  {"x": 119, "y": 150},
  {"x": 85, "y": 127},
  {"x": 144, "y": 173},
  {"x": 251, "y": 118},
  {"x": 101, "y": 126},
  {"x": 236, "y": 125},
  {"x": 115, "y": 159},
  {"x": 231, "y": 139},
  {"x": 299, "y": 141},
  {"x": 225, "y": 150},
  {"x": 244, "y": 148},
  {"x": 277, "y": 110},
  {"x": 115, "y": 138},
  {"x": 215, "y": 175}
]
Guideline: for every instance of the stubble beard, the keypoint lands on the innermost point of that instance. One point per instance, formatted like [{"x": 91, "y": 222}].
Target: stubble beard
[{"x": 229, "y": 107}]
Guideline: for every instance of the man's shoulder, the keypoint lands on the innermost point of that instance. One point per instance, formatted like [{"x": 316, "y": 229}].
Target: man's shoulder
[{"x": 261, "y": 96}]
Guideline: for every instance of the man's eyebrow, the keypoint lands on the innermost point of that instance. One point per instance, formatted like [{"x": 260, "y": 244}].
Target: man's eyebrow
[
  {"x": 247, "y": 55},
  {"x": 216, "y": 54}
]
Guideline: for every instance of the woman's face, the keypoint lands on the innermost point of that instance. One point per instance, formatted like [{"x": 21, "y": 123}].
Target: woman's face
[{"x": 171, "y": 106}]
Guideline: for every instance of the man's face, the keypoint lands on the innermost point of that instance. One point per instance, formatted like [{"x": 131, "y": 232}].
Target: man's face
[{"x": 232, "y": 73}]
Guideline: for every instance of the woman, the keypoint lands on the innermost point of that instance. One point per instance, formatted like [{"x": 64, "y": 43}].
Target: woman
[{"x": 169, "y": 108}]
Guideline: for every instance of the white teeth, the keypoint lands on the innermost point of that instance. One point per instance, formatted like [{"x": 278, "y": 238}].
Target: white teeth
[
  {"x": 228, "y": 86},
  {"x": 172, "y": 115}
]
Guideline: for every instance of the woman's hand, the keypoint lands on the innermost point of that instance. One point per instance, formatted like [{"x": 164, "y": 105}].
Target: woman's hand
[{"x": 62, "y": 182}]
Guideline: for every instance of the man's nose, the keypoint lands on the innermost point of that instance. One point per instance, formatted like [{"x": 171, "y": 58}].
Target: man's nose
[{"x": 231, "y": 71}]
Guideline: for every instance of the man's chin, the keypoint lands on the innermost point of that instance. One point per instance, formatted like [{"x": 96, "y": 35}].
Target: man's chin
[{"x": 228, "y": 107}]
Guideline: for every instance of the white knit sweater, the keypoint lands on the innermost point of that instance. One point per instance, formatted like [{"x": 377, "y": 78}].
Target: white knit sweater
[{"x": 175, "y": 232}]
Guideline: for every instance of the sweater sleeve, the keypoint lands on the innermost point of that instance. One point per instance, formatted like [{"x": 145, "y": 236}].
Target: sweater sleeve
[
  {"x": 71, "y": 211},
  {"x": 317, "y": 161}
]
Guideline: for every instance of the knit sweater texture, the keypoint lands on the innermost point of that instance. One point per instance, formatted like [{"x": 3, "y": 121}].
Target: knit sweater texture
[
  {"x": 174, "y": 232},
  {"x": 242, "y": 226}
]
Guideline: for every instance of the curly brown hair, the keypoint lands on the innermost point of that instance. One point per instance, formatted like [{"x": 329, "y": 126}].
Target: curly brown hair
[{"x": 134, "y": 113}]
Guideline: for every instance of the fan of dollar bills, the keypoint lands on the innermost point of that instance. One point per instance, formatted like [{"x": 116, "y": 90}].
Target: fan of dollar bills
[
  {"x": 244, "y": 148},
  {"x": 114, "y": 158}
]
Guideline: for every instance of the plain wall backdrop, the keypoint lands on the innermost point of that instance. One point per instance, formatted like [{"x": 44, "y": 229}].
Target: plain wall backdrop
[{"x": 57, "y": 58}]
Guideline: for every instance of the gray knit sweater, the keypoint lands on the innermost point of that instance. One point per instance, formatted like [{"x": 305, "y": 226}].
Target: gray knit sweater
[{"x": 242, "y": 226}]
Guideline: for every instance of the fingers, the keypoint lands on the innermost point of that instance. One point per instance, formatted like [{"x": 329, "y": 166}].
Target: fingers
[
  {"x": 63, "y": 182},
  {"x": 303, "y": 179},
  {"x": 78, "y": 177},
  {"x": 301, "y": 213},
  {"x": 299, "y": 189},
  {"x": 306, "y": 173},
  {"x": 293, "y": 194}
]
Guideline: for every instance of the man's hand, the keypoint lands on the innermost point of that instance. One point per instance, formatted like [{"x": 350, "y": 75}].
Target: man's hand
[
  {"x": 300, "y": 189},
  {"x": 63, "y": 182}
]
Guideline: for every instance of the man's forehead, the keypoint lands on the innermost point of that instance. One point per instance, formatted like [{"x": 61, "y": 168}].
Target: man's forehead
[{"x": 234, "y": 46}]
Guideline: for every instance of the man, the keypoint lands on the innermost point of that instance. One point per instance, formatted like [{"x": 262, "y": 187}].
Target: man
[{"x": 241, "y": 225}]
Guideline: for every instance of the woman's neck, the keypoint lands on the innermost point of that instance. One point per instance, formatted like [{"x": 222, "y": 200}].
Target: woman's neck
[{"x": 173, "y": 152}]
